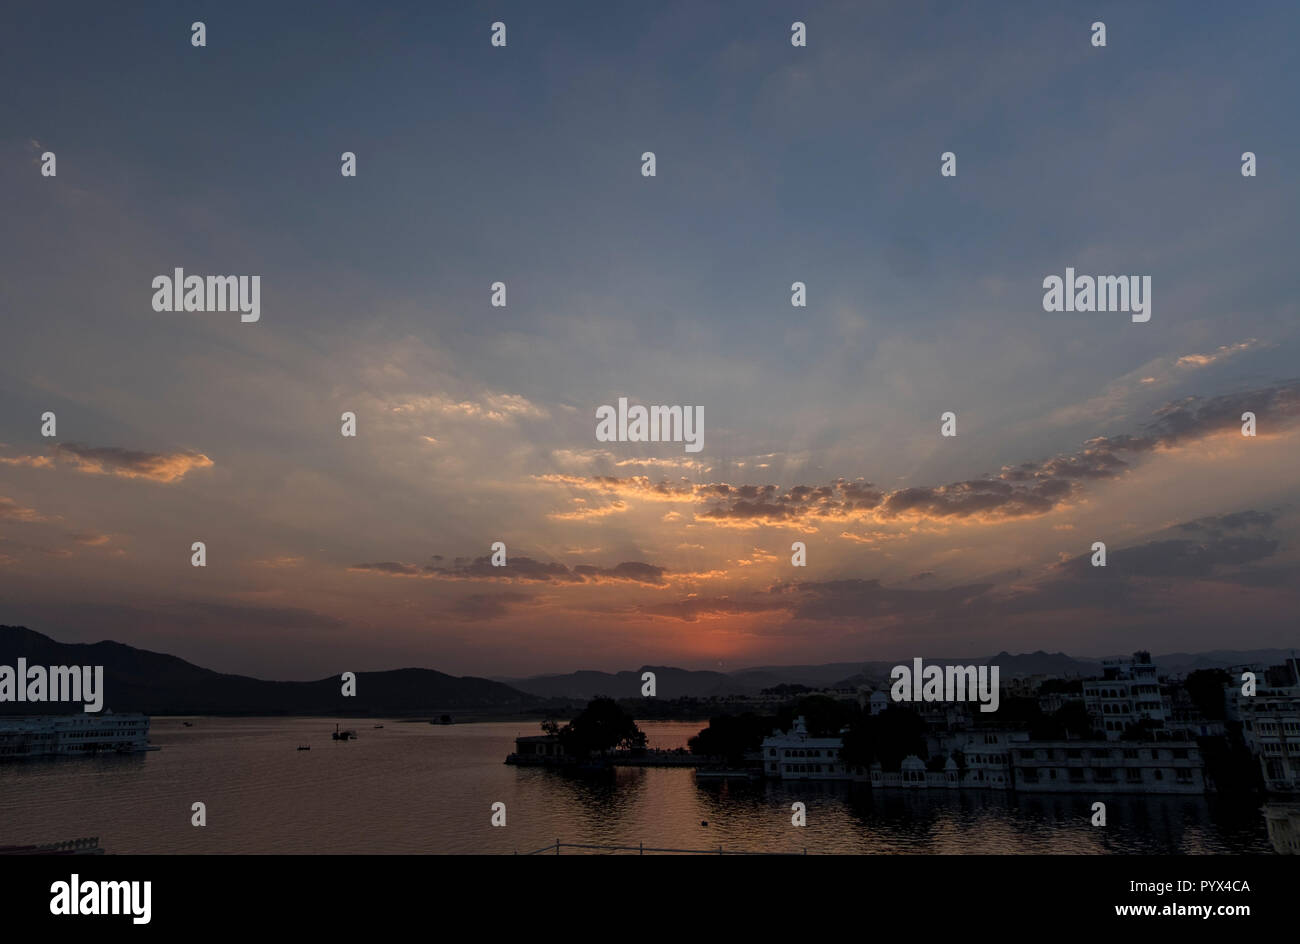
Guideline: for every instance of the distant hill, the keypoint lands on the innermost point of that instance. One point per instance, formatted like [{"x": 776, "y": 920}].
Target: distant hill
[
  {"x": 1181, "y": 663},
  {"x": 140, "y": 680},
  {"x": 682, "y": 683},
  {"x": 585, "y": 685}
]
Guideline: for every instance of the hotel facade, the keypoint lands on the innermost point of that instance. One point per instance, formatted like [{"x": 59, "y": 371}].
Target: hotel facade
[{"x": 71, "y": 735}]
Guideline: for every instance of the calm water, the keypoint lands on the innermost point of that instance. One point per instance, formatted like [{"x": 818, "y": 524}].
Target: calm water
[{"x": 410, "y": 788}]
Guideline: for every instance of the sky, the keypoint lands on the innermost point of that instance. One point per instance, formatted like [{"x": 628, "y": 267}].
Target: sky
[{"x": 477, "y": 424}]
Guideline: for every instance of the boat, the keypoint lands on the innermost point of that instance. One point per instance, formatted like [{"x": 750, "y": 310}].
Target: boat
[
  {"x": 343, "y": 735},
  {"x": 304, "y": 747},
  {"x": 378, "y": 726}
]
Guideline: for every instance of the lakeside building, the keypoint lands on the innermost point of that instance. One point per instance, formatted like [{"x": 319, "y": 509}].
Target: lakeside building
[
  {"x": 73, "y": 735},
  {"x": 1270, "y": 724},
  {"x": 1000, "y": 759},
  {"x": 1104, "y": 767},
  {"x": 1185, "y": 720},
  {"x": 873, "y": 701},
  {"x": 986, "y": 756},
  {"x": 1283, "y": 821},
  {"x": 794, "y": 755},
  {"x": 1127, "y": 694},
  {"x": 1049, "y": 703},
  {"x": 1023, "y": 686},
  {"x": 538, "y": 750}
]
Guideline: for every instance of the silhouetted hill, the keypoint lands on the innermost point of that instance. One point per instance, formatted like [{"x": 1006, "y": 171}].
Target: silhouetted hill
[
  {"x": 140, "y": 680},
  {"x": 585, "y": 684},
  {"x": 1181, "y": 663}
]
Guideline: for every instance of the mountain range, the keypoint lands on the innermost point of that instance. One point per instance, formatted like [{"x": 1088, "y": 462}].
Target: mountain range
[
  {"x": 154, "y": 683},
  {"x": 140, "y": 680}
]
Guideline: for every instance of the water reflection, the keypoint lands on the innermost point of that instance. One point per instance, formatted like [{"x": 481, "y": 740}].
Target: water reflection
[{"x": 429, "y": 788}]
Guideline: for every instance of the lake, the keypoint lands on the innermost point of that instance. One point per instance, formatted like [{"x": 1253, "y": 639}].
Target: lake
[{"x": 421, "y": 788}]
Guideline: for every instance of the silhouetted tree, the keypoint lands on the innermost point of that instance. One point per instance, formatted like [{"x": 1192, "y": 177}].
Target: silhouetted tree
[
  {"x": 887, "y": 737},
  {"x": 602, "y": 726},
  {"x": 730, "y": 736}
]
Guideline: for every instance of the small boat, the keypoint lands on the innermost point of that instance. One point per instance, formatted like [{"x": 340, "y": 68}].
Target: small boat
[
  {"x": 343, "y": 735},
  {"x": 188, "y": 724},
  {"x": 378, "y": 726},
  {"x": 304, "y": 747}
]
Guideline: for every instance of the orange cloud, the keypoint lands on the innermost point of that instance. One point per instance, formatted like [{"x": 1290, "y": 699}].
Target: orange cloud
[{"x": 130, "y": 464}]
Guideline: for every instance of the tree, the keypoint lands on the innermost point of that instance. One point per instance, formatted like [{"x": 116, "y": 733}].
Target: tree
[
  {"x": 887, "y": 737},
  {"x": 602, "y": 726},
  {"x": 731, "y": 736}
]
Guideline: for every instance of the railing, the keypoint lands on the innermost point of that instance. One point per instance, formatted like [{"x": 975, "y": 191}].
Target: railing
[
  {"x": 642, "y": 849},
  {"x": 89, "y": 846}
]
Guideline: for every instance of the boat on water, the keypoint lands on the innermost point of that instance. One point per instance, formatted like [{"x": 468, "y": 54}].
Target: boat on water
[
  {"x": 343, "y": 735},
  {"x": 304, "y": 747},
  {"x": 378, "y": 726}
]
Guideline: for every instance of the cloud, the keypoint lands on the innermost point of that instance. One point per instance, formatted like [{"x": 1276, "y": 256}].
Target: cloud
[
  {"x": 31, "y": 462},
  {"x": 130, "y": 464},
  {"x": 520, "y": 568},
  {"x": 1027, "y": 490},
  {"x": 284, "y": 560},
  {"x": 585, "y": 512},
  {"x": 10, "y": 510},
  {"x": 1236, "y": 521},
  {"x": 632, "y": 571},
  {"x": 390, "y": 568},
  {"x": 693, "y": 608},
  {"x": 494, "y": 407},
  {"x": 1176, "y": 558},
  {"x": 1224, "y": 351}
]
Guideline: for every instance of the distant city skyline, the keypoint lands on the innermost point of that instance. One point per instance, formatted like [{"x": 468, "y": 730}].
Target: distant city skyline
[{"x": 478, "y": 424}]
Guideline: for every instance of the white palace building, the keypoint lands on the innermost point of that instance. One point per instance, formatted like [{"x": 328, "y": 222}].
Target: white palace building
[
  {"x": 73, "y": 735},
  {"x": 793, "y": 755}
]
